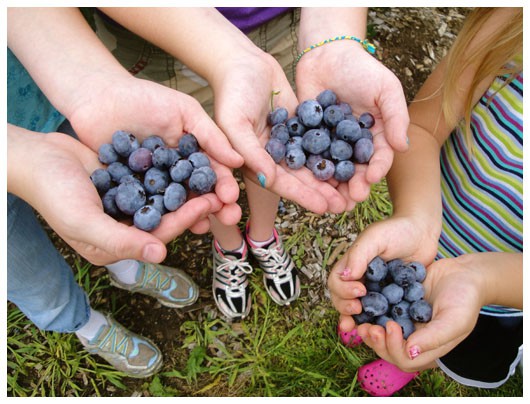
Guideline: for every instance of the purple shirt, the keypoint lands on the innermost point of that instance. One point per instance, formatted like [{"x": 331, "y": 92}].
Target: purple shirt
[{"x": 248, "y": 18}]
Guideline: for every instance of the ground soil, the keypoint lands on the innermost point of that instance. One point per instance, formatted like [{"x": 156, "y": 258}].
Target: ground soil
[{"x": 410, "y": 42}]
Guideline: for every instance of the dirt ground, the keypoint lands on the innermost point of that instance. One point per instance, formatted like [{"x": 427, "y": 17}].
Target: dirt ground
[{"x": 410, "y": 42}]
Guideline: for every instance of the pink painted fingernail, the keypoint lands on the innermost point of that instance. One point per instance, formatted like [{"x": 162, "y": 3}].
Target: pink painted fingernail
[
  {"x": 345, "y": 272},
  {"x": 414, "y": 352}
]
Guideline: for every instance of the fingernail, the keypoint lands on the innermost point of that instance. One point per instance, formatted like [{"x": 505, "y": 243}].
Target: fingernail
[
  {"x": 345, "y": 272},
  {"x": 262, "y": 180},
  {"x": 408, "y": 142},
  {"x": 153, "y": 253},
  {"x": 414, "y": 352}
]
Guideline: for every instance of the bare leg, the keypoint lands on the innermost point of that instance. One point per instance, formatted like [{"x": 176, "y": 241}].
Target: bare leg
[
  {"x": 228, "y": 237},
  {"x": 263, "y": 206}
]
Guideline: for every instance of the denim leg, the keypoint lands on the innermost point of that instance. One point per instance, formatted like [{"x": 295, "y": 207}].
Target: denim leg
[{"x": 39, "y": 281}]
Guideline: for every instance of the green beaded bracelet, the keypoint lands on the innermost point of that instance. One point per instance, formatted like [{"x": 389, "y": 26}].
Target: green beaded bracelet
[{"x": 369, "y": 47}]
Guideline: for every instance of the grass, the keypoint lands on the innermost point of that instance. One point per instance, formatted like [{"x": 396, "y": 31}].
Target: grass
[{"x": 271, "y": 353}]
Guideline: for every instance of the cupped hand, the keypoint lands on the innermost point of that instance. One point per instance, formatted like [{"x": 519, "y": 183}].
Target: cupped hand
[
  {"x": 122, "y": 102},
  {"x": 367, "y": 86},
  {"x": 405, "y": 237},
  {"x": 57, "y": 184},
  {"x": 243, "y": 90},
  {"x": 456, "y": 293}
]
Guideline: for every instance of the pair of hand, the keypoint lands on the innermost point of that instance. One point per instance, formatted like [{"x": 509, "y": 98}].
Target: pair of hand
[
  {"x": 243, "y": 98},
  {"x": 452, "y": 287}
]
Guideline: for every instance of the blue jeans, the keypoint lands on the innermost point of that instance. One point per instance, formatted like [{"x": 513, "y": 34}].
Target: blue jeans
[{"x": 39, "y": 280}]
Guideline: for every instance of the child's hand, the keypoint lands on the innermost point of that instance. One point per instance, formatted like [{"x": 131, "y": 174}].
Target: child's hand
[
  {"x": 397, "y": 237},
  {"x": 367, "y": 86},
  {"x": 243, "y": 89},
  {"x": 456, "y": 291}
]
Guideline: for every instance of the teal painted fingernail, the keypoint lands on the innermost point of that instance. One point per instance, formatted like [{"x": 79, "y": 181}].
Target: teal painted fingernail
[
  {"x": 408, "y": 140},
  {"x": 262, "y": 180}
]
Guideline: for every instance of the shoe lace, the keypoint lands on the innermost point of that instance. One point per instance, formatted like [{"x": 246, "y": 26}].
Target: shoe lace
[
  {"x": 115, "y": 341},
  {"x": 235, "y": 268},
  {"x": 153, "y": 277},
  {"x": 275, "y": 258}
]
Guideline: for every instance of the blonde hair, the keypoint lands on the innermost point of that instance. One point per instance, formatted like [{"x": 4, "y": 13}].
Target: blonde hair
[{"x": 498, "y": 54}]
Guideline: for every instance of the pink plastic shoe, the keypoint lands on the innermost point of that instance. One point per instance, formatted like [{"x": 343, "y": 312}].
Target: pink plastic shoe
[
  {"x": 382, "y": 379},
  {"x": 350, "y": 338}
]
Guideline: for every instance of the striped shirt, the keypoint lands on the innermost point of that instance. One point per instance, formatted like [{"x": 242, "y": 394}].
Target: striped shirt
[{"x": 482, "y": 184}]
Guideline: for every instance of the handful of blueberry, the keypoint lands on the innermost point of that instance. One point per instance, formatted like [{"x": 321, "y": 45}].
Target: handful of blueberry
[
  {"x": 145, "y": 181},
  {"x": 394, "y": 292},
  {"x": 324, "y": 136}
]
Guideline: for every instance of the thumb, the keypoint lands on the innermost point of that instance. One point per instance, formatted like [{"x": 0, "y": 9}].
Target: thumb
[
  {"x": 246, "y": 143},
  {"x": 115, "y": 241},
  {"x": 395, "y": 117}
]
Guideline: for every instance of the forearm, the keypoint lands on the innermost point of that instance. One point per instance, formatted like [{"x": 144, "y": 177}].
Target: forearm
[
  {"x": 200, "y": 37},
  {"x": 60, "y": 51},
  {"x": 318, "y": 24},
  {"x": 502, "y": 276},
  {"x": 414, "y": 180}
]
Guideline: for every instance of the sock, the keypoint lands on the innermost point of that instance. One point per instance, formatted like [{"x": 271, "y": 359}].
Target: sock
[
  {"x": 261, "y": 244},
  {"x": 125, "y": 271},
  {"x": 238, "y": 250},
  {"x": 94, "y": 323}
]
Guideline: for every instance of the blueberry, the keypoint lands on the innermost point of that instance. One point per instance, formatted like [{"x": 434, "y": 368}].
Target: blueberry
[
  {"x": 315, "y": 141},
  {"x": 280, "y": 132},
  {"x": 294, "y": 142},
  {"x": 310, "y": 113},
  {"x": 333, "y": 115},
  {"x": 366, "y": 120},
  {"x": 400, "y": 310},
  {"x": 323, "y": 169},
  {"x": 162, "y": 157},
  {"x": 181, "y": 170},
  {"x": 188, "y": 144},
  {"x": 407, "y": 326},
  {"x": 295, "y": 158},
  {"x": 278, "y": 115},
  {"x": 349, "y": 131},
  {"x": 374, "y": 304},
  {"x": 404, "y": 276},
  {"x": 414, "y": 292},
  {"x": 109, "y": 203},
  {"x": 153, "y": 142},
  {"x": 140, "y": 160},
  {"x": 344, "y": 171},
  {"x": 276, "y": 148},
  {"x": 376, "y": 270},
  {"x": 346, "y": 108},
  {"x": 199, "y": 159},
  {"x": 363, "y": 150},
  {"x": 382, "y": 320},
  {"x": 312, "y": 160},
  {"x": 420, "y": 311},
  {"x": 362, "y": 318},
  {"x": 340, "y": 150},
  {"x": 393, "y": 293},
  {"x": 393, "y": 264},
  {"x": 156, "y": 181},
  {"x": 124, "y": 143},
  {"x": 202, "y": 180},
  {"x": 129, "y": 178},
  {"x": 147, "y": 218},
  {"x": 419, "y": 268},
  {"x": 101, "y": 180},
  {"x": 107, "y": 154},
  {"x": 295, "y": 127},
  {"x": 130, "y": 197},
  {"x": 174, "y": 196},
  {"x": 367, "y": 134},
  {"x": 157, "y": 202},
  {"x": 118, "y": 170},
  {"x": 326, "y": 98},
  {"x": 374, "y": 286}
]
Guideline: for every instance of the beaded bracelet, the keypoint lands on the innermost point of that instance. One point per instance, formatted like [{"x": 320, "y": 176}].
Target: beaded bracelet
[{"x": 369, "y": 47}]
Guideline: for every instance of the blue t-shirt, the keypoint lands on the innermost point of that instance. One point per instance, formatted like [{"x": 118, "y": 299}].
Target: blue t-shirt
[{"x": 27, "y": 106}]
